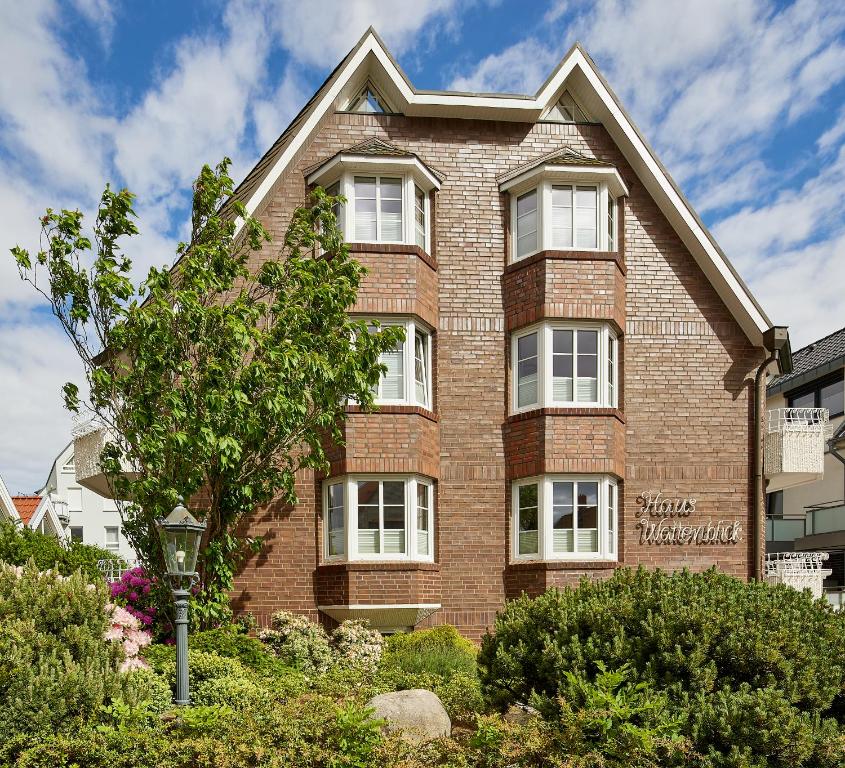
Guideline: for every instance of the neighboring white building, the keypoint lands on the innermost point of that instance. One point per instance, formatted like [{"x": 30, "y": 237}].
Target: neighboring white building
[
  {"x": 93, "y": 519},
  {"x": 34, "y": 511}
]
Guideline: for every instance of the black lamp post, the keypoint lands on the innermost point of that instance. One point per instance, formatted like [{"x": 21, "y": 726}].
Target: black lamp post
[{"x": 181, "y": 533}]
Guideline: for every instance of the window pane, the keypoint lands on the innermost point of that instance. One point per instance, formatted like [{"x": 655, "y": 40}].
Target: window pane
[
  {"x": 391, "y": 209},
  {"x": 611, "y": 519},
  {"x": 526, "y": 223},
  {"x": 807, "y": 400},
  {"x": 611, "y": 224},
  {"x": 421, "y": 367},
  {"x": 422, "y": 519},
  {"x": 561, "y": 217},
  {"x": 586, "y": 199},
  {"x": 833, "y": 397},
  {"x": 419, "y": 216},
  {"x": 112, "y": 538},
  {"x": 563, "y": 518},
  {"x": 527, "y": 531},
  {"x": 368, "y": 525},
  {"x": 611, "y": 372},
  {"x": 588, "y": 516},
  {"x": 393, "y": 381},
  {"x": 562, "y": 366},
  {"x": 587, "y": 370},
  {"x": 76, "y": 533},
  {"x": 394, "y": 492},
  {"x": 527, "y": 370},
  {"x": 365, "y": 209},
  {"x": 337, "y": 544}
]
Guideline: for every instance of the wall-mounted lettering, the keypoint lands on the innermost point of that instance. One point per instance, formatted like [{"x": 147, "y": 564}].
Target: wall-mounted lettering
[{"x": 664, "y": 521}]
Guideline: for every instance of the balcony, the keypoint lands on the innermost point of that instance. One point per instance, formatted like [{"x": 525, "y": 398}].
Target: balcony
[
  {"x": 793, "y": 446},
  {"x": 89, "y": 439}
]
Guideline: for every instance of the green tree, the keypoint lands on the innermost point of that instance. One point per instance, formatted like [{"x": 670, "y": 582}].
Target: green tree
[{"x": 218, "y": 379}]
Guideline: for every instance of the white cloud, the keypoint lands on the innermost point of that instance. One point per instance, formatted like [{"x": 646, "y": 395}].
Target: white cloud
[
  {"x": 317, "y": 33},
  {"x": 100, "y": 14},
  {"x": 520, "y": 68},
  {"x": 833, "y": 135},
  {"x": 273, "y": 114}
]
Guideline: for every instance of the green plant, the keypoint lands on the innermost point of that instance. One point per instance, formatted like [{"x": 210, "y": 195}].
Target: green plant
[
  {"x": 355, "y": 643},
  {"x": 58, "y": 669},
  {"x": 250, "y": 651},
  {"x": 299, "y": 642},
  {"x": 712, "y": 644},
  {"x": 439, "y": 651},
  {"x": 19, "y": 544},
  {"x": 218, "y": 379}
]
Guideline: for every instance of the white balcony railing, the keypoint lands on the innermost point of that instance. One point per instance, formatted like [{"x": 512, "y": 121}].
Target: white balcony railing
[
  {"x": 89, "y": 439},
  {"x": 793, "y": 446},
  {"x": 799, "y": 570}
]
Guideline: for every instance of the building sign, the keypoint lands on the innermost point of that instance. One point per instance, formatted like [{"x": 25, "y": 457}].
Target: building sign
[{"x": 666, "y": 521}]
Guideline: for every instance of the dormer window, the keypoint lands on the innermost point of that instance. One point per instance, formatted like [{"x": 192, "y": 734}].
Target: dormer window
[
  {"x": 387, "y": 192},
  {"x": 563, "y": 203}
]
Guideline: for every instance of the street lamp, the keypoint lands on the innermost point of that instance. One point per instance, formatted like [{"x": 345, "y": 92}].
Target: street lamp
[{"x": 181, "y": 533}]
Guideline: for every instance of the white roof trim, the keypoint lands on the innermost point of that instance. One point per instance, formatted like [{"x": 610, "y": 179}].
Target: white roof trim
[
  {"x": 528, "y": 177},
  {"x": 345, "y": 161},
  {"x": 9, "y": 508},
  {"x": 733, "y": 292}
]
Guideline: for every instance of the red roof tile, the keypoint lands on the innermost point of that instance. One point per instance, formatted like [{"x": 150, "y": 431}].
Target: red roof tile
[{"x": 26, "y": 506}]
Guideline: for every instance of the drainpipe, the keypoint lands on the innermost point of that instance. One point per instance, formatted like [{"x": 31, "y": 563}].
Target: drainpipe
[{"x": 776, "y": 342}]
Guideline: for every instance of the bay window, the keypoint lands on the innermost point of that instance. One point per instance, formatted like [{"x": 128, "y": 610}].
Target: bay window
[
  {"x": 378, "y": 518},
  {"x": 559, "y": 517},
  {"x": 387, "y": 197},
  {"x": 563, "y": 364},
  {"x": 407, "y": 380}
]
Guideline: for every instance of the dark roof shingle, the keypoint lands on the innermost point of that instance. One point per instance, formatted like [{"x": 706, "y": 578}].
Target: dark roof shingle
[{"x": 812, "y": 362}]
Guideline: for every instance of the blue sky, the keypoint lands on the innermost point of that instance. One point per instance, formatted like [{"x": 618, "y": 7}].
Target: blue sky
[{"x": 744, "y": 101}]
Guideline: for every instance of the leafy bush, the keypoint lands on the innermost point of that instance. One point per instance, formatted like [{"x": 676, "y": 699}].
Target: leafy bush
[
  {"x": 250, "y": 651},
  {"x": 58, "y": 669},
  {"x": 134, "y": 592},
  {"x": 753, "y": 670},
  {"x": 299, "y": 642},
  {"x": 354, "y": 643},
  {"x": 19, "y": 544},
  {"x": 439, "y": 651}
]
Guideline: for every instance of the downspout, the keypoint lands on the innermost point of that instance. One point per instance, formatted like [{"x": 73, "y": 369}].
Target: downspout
[{"x": 776, "y": 342}]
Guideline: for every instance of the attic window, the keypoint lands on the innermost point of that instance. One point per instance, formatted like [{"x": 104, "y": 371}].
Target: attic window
[
  {"x": 567, "y": 111},
  {"x": 369, "y": 101}
]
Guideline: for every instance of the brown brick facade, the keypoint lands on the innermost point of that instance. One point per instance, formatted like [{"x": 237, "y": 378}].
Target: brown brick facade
[{"x": 684, "y": 423}]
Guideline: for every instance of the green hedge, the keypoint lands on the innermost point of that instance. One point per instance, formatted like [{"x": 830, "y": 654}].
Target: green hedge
[
  {"x": 19, "y": 544},
  {"x": 756, "y": 673}
]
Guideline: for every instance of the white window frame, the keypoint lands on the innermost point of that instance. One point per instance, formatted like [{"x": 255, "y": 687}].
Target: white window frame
[
  {"x": 608, "y": 397},
  {"x": 608, "y": 494},
  {"x": 544, "y": 217},
  {"x": 346, "y": 219},
  {"x": 116, "y": 546},
  {"x": 350, "y": 519},
  {"x": 409, "y": 397}
]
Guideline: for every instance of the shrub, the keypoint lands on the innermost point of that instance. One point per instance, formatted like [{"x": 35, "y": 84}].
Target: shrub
[
  {"x": 742, "y": 663},
  {"x": 354, "y": 643},
  {"x": 439, "y": 651},
  {"x": 58, "y": 669},
  {"x": 19, "y": 544},
  {"x": 250, "y": 651},
  {"x": 300, "y": 643}
]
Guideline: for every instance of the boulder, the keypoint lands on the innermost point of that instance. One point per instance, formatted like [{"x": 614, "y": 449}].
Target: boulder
[{"x": 417, "y": 715}]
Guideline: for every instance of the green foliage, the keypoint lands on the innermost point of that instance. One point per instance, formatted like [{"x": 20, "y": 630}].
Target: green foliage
[
  {"x": 219, "y": 378},
  {"x": 18, "y": 544},
  {"x": 250, "y": 651},
  {"x": 57, "y": 671},
  {"x": 754, "y": 672},
  {"x": 355, "y": 644},
  {"x": 438, "y": 651}
]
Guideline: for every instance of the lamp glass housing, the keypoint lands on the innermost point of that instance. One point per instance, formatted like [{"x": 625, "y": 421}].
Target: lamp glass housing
[{"x": 181, "y": 534}]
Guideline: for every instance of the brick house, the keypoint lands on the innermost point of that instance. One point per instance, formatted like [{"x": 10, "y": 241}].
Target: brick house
[{"x": 583, "y": 377}]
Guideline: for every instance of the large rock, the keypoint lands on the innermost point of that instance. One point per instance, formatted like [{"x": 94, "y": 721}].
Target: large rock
[{"x": 417, "y": 715}]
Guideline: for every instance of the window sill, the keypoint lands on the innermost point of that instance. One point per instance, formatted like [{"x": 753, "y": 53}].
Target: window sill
[
  {"x": 562, "y": 565},
  {"x": 350, "y": 566},
  {"x": 573, "y": 255},
  {"x": 616, "y": 413},
  {"x": 405, "y": 248},
  {"x": 386, "y": 409}
]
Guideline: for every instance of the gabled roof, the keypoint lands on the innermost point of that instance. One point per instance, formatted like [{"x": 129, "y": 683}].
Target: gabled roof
[
  {"x": 8, "y": 509},
  {"x": 812, "y": 362},
  {"x": 27, "y": 506},
  {"x": 370, "y": 60}
]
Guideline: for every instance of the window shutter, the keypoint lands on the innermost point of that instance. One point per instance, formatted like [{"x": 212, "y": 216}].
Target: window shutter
[
  {"x": 586, "y": 201},
  {"x": 365, "y": 209},
  {"x": 393, "y": 382},
  {"x": 562, "y": 217},
  {"x": 390, "y": 191}
]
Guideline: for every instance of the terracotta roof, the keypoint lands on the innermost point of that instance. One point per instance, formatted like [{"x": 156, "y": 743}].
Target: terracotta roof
[
  {"x": 812, "y": 362},
  {"x": 26, "y": 506}
]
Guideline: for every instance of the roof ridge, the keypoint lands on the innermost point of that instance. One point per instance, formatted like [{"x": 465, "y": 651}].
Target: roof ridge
[{"x": 817, "y": 341}]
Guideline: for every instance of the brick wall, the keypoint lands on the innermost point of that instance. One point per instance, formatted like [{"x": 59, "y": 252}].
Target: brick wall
[{"x": 685, "y": 419}]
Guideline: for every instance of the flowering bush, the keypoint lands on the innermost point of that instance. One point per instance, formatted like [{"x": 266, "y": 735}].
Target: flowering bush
[
  {"x": 299, "y": 642},
  {"x": 125, "y": 628},
  {"x": 134, "y": 593},
  {"x": 355, "y": 643}
]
